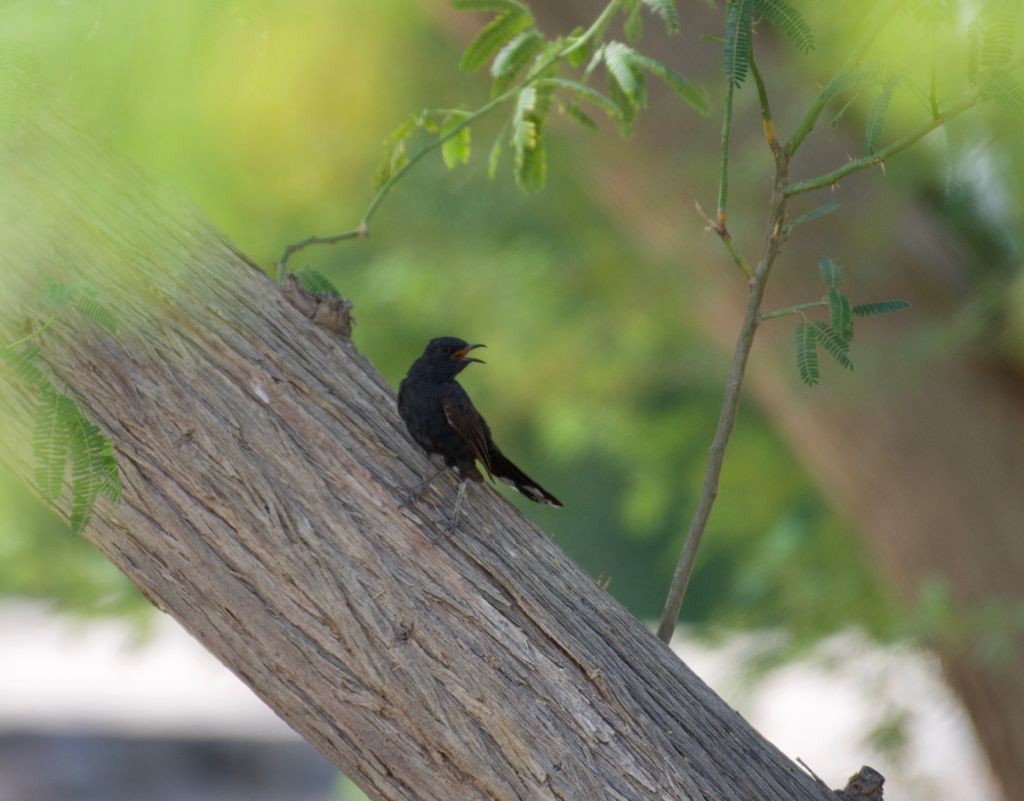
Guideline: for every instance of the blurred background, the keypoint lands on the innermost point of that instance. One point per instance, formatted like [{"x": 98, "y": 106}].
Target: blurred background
[{"x": 860, "y": 591}]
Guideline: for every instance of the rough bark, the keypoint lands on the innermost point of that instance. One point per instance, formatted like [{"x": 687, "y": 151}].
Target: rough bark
[{"x": 262, "y": 462}]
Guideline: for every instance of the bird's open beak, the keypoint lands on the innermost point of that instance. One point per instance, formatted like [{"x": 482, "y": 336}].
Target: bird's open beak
[{"x": 461, "y": 354}]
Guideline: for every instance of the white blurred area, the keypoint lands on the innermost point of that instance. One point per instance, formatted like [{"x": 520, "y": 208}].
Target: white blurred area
[{"x": 59, "y": 674}]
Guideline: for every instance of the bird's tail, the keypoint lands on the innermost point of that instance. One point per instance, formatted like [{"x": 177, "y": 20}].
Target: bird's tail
[{"x": 501, "y": 467}]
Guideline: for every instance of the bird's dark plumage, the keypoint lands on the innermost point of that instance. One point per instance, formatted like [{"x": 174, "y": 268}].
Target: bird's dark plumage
[{"x": 442, "y": 419}]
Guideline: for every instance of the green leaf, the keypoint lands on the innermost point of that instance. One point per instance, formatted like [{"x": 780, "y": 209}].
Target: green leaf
[
  {"x": 831, "y": 273},
  {"x": 807, "y": 354},
  {"x": 580, "y": 116},
  {"x": 633, "y": 24},
  {"x": 880, "y": 307},
  {"x": 59, "y": 293},
  {"x": 90, "y": 468},
  {"x": 97, "y": 312},
  {"x": 626, "y": 108},
  {"x": 833, "y": 343},
  {"x": 531, "y": 110},
  {"x": 494, "y": 35},
  {"x": 876, "y": 119},
  {"x": 396, "y": 154},
  {"x": 49, "y": 443},
  {"x": 455, "y": 151},
  {"x": 1005, "y": 91},
  {"x": 840, "y": 314},
  {"x": 513, "y": 57},
  {"x": 813, "y": 214},
  {"x": 25, "y": 363},
  {"x": 997, "y": 27},
  {"x": 788, "y": 21},
  {"x": 693, "y": 95},
  {"x": 620, "y": 59},
  {"x": 316, "y": 283},
  {"x": 739, "y": 39},
  {"x": 582, "y": 92},
  {"x": 666, "y": 9},
  {"x": 494, "y": 157}
]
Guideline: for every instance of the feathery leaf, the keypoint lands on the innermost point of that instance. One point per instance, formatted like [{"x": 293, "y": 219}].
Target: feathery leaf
[
  {"x": 997, "y": 28},
  {"x": 620, "y": 59},
  {"x": 316, "y": 283},
  {"x": 633, "y": 24},
  {"x": 91, "y": 454},
  {"x": 513, "y": 57},
  {"x": 788, "y": 21},
  {"x": 833, "y": 343},
  {"x": 97, "y": 312},
  {"x": 806, "y": 354},
  {"x": 879, "y": 307},
  {"x": 1004, "y": 90},
  {"x": 739, "y": 39},
  {"x": 494, "y": 157},
  {"x": 666, "y": 9},
  {"x": 840, "y": 315},
  {"x": 693, "y": 95},
  {"x": 580, "y": 116},
  {"x": 49, "y": 443},
  {"x": 831, "y": 273},
  {"x": 494, "y": 35},
  {"x": 531, "y": 110},
  {"x": 396, "y": 153},
  {"x": 876, "y": 119},
  {"x": 455, "y": 150},
  {"x": 582, "y": 92},
  {"x": 25, "y": 363}
]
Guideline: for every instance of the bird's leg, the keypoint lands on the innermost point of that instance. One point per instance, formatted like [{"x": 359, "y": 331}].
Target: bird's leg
[
  {"x": 417, "y": 490},
  {"x": 454, "y": 520}
]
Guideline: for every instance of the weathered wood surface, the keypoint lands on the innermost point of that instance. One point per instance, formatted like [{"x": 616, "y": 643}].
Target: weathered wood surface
[{"x": 262, "y": 460}]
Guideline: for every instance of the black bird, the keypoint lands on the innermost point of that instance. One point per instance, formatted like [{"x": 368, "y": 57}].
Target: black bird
[{"x": 442, "y": 419}]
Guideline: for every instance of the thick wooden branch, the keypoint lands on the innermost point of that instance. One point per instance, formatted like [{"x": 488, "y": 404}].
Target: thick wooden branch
[{"x": 262, "y": 461}]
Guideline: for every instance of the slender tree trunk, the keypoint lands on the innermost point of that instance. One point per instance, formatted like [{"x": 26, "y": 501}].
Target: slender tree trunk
[{"x": 262, "y": 461}]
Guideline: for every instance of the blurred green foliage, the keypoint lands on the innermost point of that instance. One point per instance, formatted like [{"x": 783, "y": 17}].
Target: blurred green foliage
[{"x": 271, "y": 115}]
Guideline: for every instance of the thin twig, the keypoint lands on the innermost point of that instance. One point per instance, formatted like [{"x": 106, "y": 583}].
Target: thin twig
[
  {"x": 800, "y": 308},
  {"x": 828, "y": 179},
  {"x": 295, "y": 247},
  {"x": 31, "y": 334},
  {"x": 730, "y": 404},
  {"x": 362, "y": 230},
  {"x": 727, "y": 240}
]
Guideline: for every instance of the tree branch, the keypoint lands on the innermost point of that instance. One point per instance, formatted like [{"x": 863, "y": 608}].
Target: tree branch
[
  {"x": 830, "y": 178},
  {"x": 800, "y": 308},
  {"x": 730, "y": 404},
  {"x": 362, "y": 230}
]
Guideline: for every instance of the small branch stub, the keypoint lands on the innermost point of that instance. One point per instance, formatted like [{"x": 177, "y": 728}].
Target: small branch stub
[
  {"x": 864, "y": 785},
  {"x": 326, "y": 310}
]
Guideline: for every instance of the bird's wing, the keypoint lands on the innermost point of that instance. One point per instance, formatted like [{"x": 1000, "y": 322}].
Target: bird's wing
[{"x": 467, "y": 422}]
